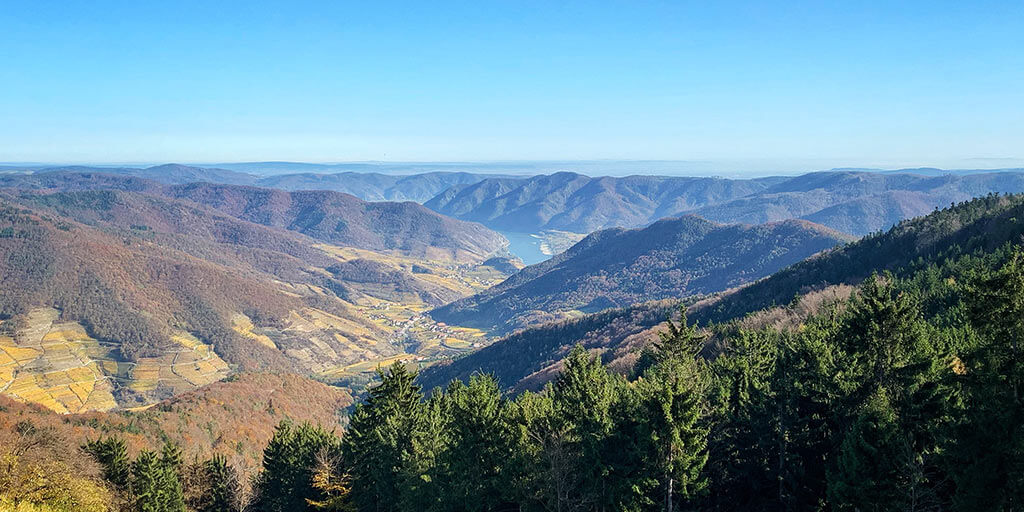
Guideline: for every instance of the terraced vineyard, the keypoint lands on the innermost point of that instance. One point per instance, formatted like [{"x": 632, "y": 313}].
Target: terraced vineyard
[
  {"x": 403, "y": 319},
  {"x": 57, "y": 364},
  {"x": 122, "y": 299},
  {"x": 61, "y": 367}
]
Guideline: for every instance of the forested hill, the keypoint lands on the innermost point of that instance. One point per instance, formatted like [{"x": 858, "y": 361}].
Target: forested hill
[
  {"x": 371, "y": 186},
  {"x": 581, "y": 204},
  {"x": 978, "y": 226},
  {"x": 343, "y": 219},
  {"x": 114, "y": 298},
  {"x": 333, "y": 217},
  {"x": 904, "y": 396},
  {"x": 621, "y": 267},
  {"x": 853, "y": 202},
  {"x": 366, "y": 185}
]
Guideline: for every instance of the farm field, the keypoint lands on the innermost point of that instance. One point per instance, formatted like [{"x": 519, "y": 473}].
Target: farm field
[{"x": 58, "y": 365}]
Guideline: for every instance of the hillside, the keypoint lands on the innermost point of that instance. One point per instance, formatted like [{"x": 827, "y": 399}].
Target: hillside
[
  {"x": 364, "y": 184},
  {"x": 115, "y": 299},
  {"x": 332, "y": 217},
  {"x": 853, "y": 202},
  {"x": 580, "y": 204},
  {"x": 342, "y": 219},
  {"x": 620, "y": 267},
  {"x": 234, "y": 418},
  {"x": 978, "y": 226},
  {"x": 171, "y": 174},
  {"x": 372, "y": 186}
]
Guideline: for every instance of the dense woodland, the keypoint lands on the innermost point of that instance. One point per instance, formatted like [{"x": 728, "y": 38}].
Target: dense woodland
[
  {"x": 854, "y": 202},
  {"x": 904, "y": 397},
  {"x": 974, "y": 227},
  {"x": 675, "y": 257}
]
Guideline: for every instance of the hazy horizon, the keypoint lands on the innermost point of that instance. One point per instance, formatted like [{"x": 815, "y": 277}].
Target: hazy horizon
[
  {"x": 740, "y": 87},
  {"x": 602, "y": 167}
]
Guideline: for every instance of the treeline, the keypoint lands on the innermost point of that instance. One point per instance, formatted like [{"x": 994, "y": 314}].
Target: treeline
[{"x": 905, "y": 397}]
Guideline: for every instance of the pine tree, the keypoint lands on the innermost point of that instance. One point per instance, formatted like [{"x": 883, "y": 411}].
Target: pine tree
[
  {"x": 149, "y": 478},
  {"x": 987, "y": 444},
  {"x": 380, "y": 445},
  {"x": 286, "y": 481},
  {"x": 471, "y": 467},
  {"x": 112, "y": 455},
  {"x": 223, "y": 490},
  {"x": 743, "y": 442},
  {"x": 542, "y": 467},
  {"x": 584, "y": 395},
  {"x": 675, "y": 406},
  {"x": 871, "y": 470},
  {"x": 883, "y": 334},
  {"x": 170, "y": 478},
  {"x": 679, "y": 341}
]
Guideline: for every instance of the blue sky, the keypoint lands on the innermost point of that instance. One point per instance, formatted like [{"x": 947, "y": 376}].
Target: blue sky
[{"x": 737, "y": 84}]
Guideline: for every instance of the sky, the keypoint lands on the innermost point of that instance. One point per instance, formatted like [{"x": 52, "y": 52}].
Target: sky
[{"x": 736, "y": 85}]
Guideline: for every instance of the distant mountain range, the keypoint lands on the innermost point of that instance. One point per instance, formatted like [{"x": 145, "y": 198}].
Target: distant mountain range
[
  {"x": 376, "y": 186},
  {"x": 513, "y": 197},
  {"x": 357, "y": 180},
  {"x": 529, "y": 358},
  {"x": 854, "y": 202},
  {"x": 332, "y": 217},
  {"x": 619, "y": 267}
]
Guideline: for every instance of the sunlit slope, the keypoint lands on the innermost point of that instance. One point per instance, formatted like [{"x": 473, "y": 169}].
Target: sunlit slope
[
  {"x": 675, "y": 257},
  {"x": 971, "y": 229},
  {"x": 114, "y": 298}
]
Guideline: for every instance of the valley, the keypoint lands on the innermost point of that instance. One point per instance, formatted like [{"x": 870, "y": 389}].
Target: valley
[{"x": 120, "y": 299}]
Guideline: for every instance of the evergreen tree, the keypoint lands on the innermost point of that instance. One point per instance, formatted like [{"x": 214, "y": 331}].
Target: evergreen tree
[
  {"x": 542, "y": 468},
  {"x": 674, "y": 394},
  {"x": 286, "y": 481},
  {"x": 987, "y": 444},
  {"x": 380, "y": 447},
  {"x": 872, "y": 468},
  {"x": 883, "y": 335},
  {"x": 223, "y": 490},
  {"x": 155, "y": 485},
  {"x": 112, "y": 455},
  {"x": 471, "y": 476},
  {"x": 584, "y": 395},
  {"x": 743, "y": 443},
  {"x": 170, "y": 477},
  {"x": 680, "y": 340}
]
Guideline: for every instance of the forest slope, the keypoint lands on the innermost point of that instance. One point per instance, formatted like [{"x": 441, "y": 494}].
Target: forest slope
[
  {"x": 978, "y": 226},
  {"x": 620, "y": 267},
  {"x": 853, "y": 202},
  {"x": 333, "y": 217},
  {"x": 114, "y": 298}
]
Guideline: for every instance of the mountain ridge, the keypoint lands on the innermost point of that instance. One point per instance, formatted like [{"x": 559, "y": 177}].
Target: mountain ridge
[
  {"x": 854, "y": 202},
  {"x": 617, "y": 267}
]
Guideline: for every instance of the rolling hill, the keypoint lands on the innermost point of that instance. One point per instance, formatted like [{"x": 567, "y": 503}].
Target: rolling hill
[
  {"x": 854, "y": 202},
  {"x": 332, "y": 217},
  {"x": 580, "y": 204},
  {"x": 371, "y": 186},
  {"x": 620, "y": 267},
  {"x": 234, "y": 418},
  {"x": 364, "y": 184},
  {"x": 114, "y": 298},
  {"x": 527, "y": 359}
]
